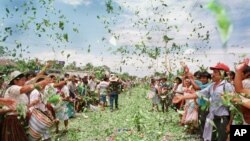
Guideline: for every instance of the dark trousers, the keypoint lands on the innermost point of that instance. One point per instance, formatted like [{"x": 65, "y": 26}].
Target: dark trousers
[
  {"x": 221, "y": 124},
  {"x": 113, "y": 97},
  {"x": 202, "y": 118},
  {"x": 164, "y": 105}
]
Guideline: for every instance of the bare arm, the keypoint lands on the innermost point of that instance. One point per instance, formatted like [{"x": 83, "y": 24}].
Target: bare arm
[
  {"x": 195, "y": 86},
  {"x": 60, "y": 84},
  {"x": 179, "y": 98},
  {"x": 239, "y": 77},
  {"x": 48, "y": 65},
  {"x": 28, "y": 88},
  {"x": 8, "y": 102}
]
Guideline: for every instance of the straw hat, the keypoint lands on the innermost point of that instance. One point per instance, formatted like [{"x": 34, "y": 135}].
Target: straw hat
[{"x": 113, "y": 79}]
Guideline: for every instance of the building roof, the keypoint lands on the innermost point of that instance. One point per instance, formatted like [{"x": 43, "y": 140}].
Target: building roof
[{"x": 7, "y": 62}]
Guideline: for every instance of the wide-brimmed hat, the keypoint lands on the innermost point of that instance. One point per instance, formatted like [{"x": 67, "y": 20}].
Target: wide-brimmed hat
[
  {"x": 157, "y": 78},
  {"x": 163, "y": 78},
  {"x": 85, "y": 75},
  {"x": 14, "y": 75},
  {"x": 220, "y": 66},
  {"x": 113, "y": 79}
]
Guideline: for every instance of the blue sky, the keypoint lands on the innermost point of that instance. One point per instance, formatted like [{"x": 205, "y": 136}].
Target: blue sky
[{"x": 91, "y": 31}]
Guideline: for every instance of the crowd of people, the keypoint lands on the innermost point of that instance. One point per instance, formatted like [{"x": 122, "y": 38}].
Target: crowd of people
[
  {"x": 31, "y": 103},
  {"x": 200, "y": 97}
]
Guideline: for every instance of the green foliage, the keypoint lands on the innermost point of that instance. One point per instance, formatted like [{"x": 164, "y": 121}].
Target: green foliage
[
  {"x": 24, "y": 66},
  {"x": 132, "y": 122},
  {"x": 167, "y": 39},
  {"x": 149, "y": 46},
  {"x": 88, "y": 67},
  {"x": 66, "y": 38},
  {"x": 227, "y": 100},
  {"x": 38, "y": 17},
  {"x": 109, "y": 7},
  {"x": 202, "y": 68},
  {"x": 61, "y": 25},
  {"x": 224, "y": 24},
  {"x": 21, "y": 110},
  {"x": 7, "y": 69},
  {"x": 54, "y": 99}
]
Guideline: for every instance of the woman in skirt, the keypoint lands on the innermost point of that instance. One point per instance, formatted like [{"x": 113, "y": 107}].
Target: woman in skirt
[{"x": 13, "y": 129}]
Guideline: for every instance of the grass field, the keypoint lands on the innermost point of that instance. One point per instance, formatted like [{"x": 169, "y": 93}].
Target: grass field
[{"x": 123, "y": 124}]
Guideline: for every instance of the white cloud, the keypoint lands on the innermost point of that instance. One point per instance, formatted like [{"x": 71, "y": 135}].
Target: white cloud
[
  {"x": 131, "y": 27},
  {"x": 189, "y": 51},
  {"x": 76, "y": 2},
  {"x": 131, "y": 35},
  {"x": 176, "y": 14}
]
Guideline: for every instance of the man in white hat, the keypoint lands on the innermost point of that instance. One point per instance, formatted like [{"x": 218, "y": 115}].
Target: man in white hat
[{"x": 114, "y": 90}]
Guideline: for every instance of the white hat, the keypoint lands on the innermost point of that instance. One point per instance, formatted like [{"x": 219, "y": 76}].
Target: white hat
[
  {"x": 14, "y": 75},
  {"x": 113, "y": 79},
  {"x": 85, "y": 74}
]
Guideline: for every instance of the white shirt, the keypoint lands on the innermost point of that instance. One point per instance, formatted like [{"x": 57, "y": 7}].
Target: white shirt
[
  {"x": 92, "y": 85},
  {"x": 36, "y": 95},
  {"x": 13, "y": 92},
  {"x": 72, "y": 87},
  {"x": 103, "y": 86},
  {"x": 179, "y": 89},
  {"x": 65, "y": 90},
  {"x": 246, "y": 83}
]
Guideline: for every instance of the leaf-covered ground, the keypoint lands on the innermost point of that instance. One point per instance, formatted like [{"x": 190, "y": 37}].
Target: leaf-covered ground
[{"x": 122, "y": 125}]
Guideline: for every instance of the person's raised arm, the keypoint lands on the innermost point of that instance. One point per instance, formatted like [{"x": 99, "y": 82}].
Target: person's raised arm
[
  {"x": 30, "y": 87},
  {"x": 195, "y": 86},
  {"x": 239, "y": 77}
]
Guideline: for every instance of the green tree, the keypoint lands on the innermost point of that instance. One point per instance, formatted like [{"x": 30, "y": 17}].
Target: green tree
[{"x": 88, "y": 67}]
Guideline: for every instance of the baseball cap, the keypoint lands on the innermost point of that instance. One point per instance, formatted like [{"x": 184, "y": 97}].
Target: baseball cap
[{"x": 220, "y": 66}]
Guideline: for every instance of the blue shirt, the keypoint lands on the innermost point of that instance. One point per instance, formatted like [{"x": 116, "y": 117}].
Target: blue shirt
[
  {"x": 214, "y": 96},
  {"x": 201, "y": 101}
]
